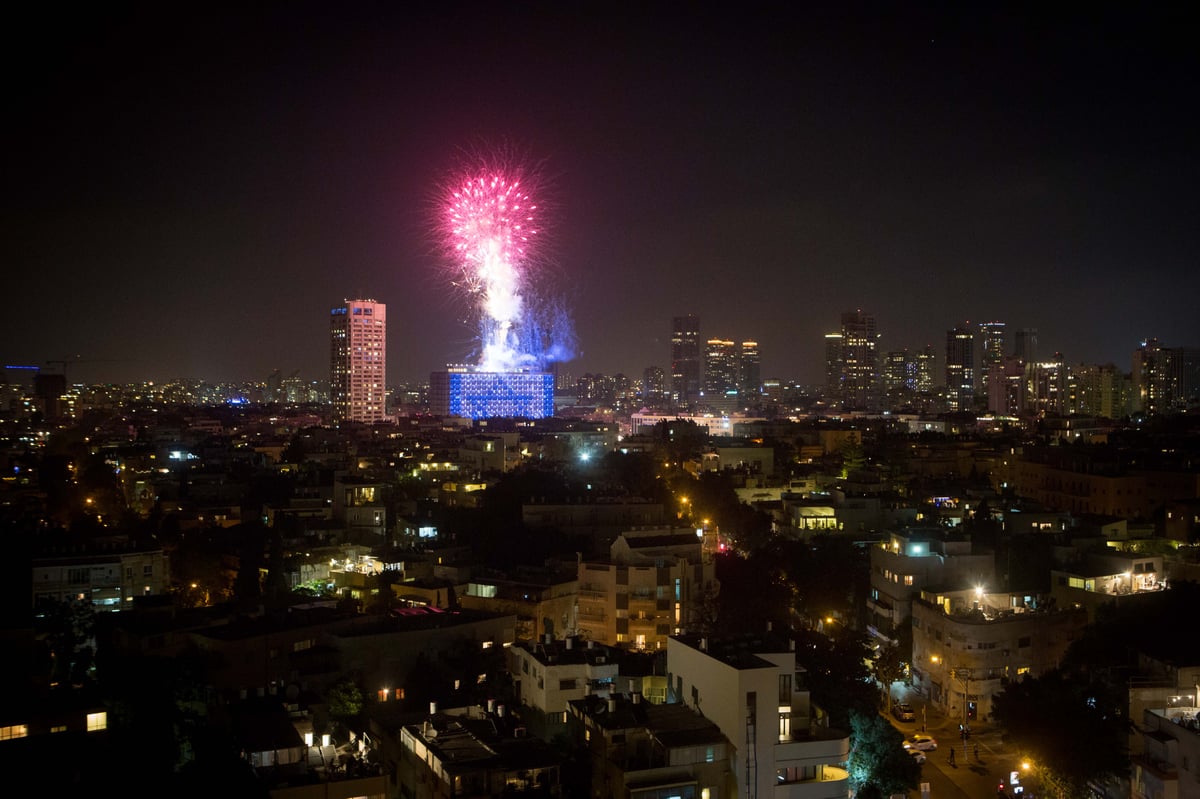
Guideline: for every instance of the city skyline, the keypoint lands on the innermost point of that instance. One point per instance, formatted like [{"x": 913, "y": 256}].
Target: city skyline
[{"x": 189, "y": 210}]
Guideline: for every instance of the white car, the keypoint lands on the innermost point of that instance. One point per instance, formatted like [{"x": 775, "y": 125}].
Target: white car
[
  {"x": 917, "y": 755},
  {"x": 923, "y": 743}
]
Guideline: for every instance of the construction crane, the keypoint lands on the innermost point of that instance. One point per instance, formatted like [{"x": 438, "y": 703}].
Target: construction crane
[{"x": 63, "y": 362}]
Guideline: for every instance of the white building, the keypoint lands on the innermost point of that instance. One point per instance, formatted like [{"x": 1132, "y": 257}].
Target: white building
[{"x": 750, "y": 688}]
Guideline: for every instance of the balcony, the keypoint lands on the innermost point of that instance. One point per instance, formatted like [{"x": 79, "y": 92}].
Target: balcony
[
  {"x": 833, "y": 782},
  {"x": 809, "y": 749}
]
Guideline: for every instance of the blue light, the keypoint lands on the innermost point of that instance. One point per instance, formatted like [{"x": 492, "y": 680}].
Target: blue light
[{"x": 488, "y": 395}]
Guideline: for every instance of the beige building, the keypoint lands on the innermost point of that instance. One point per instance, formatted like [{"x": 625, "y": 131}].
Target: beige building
[
  {"x": 967, "y": 645},
  {"x": 657, "y": 582}
]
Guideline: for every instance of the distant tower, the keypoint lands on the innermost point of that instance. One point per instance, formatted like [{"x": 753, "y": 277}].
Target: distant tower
[
  {"x": 357, "y": 361},
  {"x": 749, "y": 376},
  {"x": 833, "y": 367},
  {"x": 1026, "y": 344},
  {"x": 685, "y": 358},
  {"x": 926, "y": 366},
  {"x": 720, "y": 368},
  {"x": 654, "y": 386},
  {"x": 960, "y": 368},
  {"x": 991, "y": 340},
  {"x": 860, "y": 368}
]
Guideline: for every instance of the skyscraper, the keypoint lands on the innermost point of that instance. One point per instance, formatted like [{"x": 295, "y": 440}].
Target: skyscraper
[
  {"x": 991, "y": 340},
  {"x": 860, "y": 367},
  {"x": 720, "y": 368},
  {"x": 1026, "y": 344},
  {"x": 749, "y": 376},
  {"x": 685, "y": 358},
  {"x": 960, "y": 368},
  {"x": 357, "y": 361}
]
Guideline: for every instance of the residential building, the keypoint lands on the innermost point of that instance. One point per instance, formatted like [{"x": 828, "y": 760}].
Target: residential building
[
  {"x": 913, "y": 560},
  {"x": 358, "y": 361},
  {"x": 106, "y": 576},
  {"x": 968, "y": 644},
  {"x": 749, "y": 687},
  {"x": 641, "y": 750},
  {"x": 655, "y": 583},
  {"x": 548, "y": 673}
]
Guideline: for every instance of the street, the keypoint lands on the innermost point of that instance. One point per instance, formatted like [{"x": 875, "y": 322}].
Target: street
[{"x": 976, "y": 772}]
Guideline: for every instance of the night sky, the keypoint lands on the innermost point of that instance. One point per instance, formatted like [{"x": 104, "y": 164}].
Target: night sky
[{"x": 190, "y": 187}]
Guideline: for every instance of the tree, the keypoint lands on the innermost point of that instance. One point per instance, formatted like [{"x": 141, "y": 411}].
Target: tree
[
  {"x": 1073, "y": 729},
  {"x": 345, "y": 700},
  {"x": 889, "y": 667},
  {"x": 836, "y": 673},
  {"x": 878, "y": 765}
]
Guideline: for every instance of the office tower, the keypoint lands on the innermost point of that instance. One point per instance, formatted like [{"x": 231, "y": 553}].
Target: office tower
[
  {"x": 1046, "y": 387},
  {"x": 1026, "y": 344},
  {"x": 357, "y": 362},
  {"x": 1006, "y": 386},
  {"x": 654, "y": 386},
  {"x": 960, "y": 368},
  {"x": 899, "y": 378},
  {"x": 860, "y": 369},
  {"x": 720, "y": 368},
  {"x": 1165, "y": 379},
  {"x": 926, "y": 366},
  {"x": 992, "y": 352},
  {"x": 833, "y": 367},
  {"x": 749, "y": 379},
  {"x": 685, "y": 358}
]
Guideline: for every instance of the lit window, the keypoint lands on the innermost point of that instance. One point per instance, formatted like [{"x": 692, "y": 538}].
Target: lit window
[
  {"x": 13, "y": 731},
  {"x": 97, "y": 721}
]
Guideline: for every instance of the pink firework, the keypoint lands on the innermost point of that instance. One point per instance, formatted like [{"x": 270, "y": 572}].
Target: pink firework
[{"x": 489, "y": 222}]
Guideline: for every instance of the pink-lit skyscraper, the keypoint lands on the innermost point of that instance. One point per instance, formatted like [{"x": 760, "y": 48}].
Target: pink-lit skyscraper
[{"x": 357, "y": 361}]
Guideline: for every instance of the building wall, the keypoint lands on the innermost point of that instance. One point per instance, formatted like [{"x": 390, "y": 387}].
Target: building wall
[{"x": 358, "y": 361}]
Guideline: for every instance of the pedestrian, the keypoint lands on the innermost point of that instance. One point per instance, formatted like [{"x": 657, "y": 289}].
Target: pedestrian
[
  {"x": 952, "y": 756},
  {"x": 976, "y": 750}
]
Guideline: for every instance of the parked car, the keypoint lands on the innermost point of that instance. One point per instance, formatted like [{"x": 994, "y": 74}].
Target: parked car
[
  {"x": 903, "y": 711},
  {"x": 923, "y": 743},
  {"x": 917, "y": 755}
]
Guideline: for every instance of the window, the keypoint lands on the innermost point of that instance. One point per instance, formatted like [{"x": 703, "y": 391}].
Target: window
[
  {"x": 97, "y": 721},
  {"x": 785, "y": 689},
  {"x": 13, "y": 731},
  {"x": 1026, "y": 640},
  {"x": 908, "y": 579},
  {"x": 148, "y": 570},
  {"x": 566, "y": 685}
]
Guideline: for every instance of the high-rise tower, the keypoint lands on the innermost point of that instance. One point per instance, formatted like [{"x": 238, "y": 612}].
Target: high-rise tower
[
  {"x": 357, "y": 361},
  {"x": 991, "y": 340},
  {"x": 960, "y": 368},
  {"x": 685, "y": 358},
  {"x": 860, "y": 360}
]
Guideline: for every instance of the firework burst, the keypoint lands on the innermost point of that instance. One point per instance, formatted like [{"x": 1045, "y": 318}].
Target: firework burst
[{"x": 490, "y": 231}]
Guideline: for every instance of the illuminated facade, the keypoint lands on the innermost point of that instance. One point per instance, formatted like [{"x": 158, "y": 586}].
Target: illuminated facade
[
  {"x": 489, "y": 395},
  {"x": 357, "y": 361}
]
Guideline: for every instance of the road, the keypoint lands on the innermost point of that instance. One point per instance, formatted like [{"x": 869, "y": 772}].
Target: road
[{"x": 975, "y": 775}]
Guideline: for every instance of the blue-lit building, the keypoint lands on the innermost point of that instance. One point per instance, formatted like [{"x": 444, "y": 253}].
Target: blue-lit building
[{"x": 458, "y": 391}]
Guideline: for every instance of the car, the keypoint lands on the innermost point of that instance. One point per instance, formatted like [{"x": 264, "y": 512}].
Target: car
[
  {"x": 923, "y": 743},
  {"x": 916, "y": 754},
  {"x": 903, "y": 711}
]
